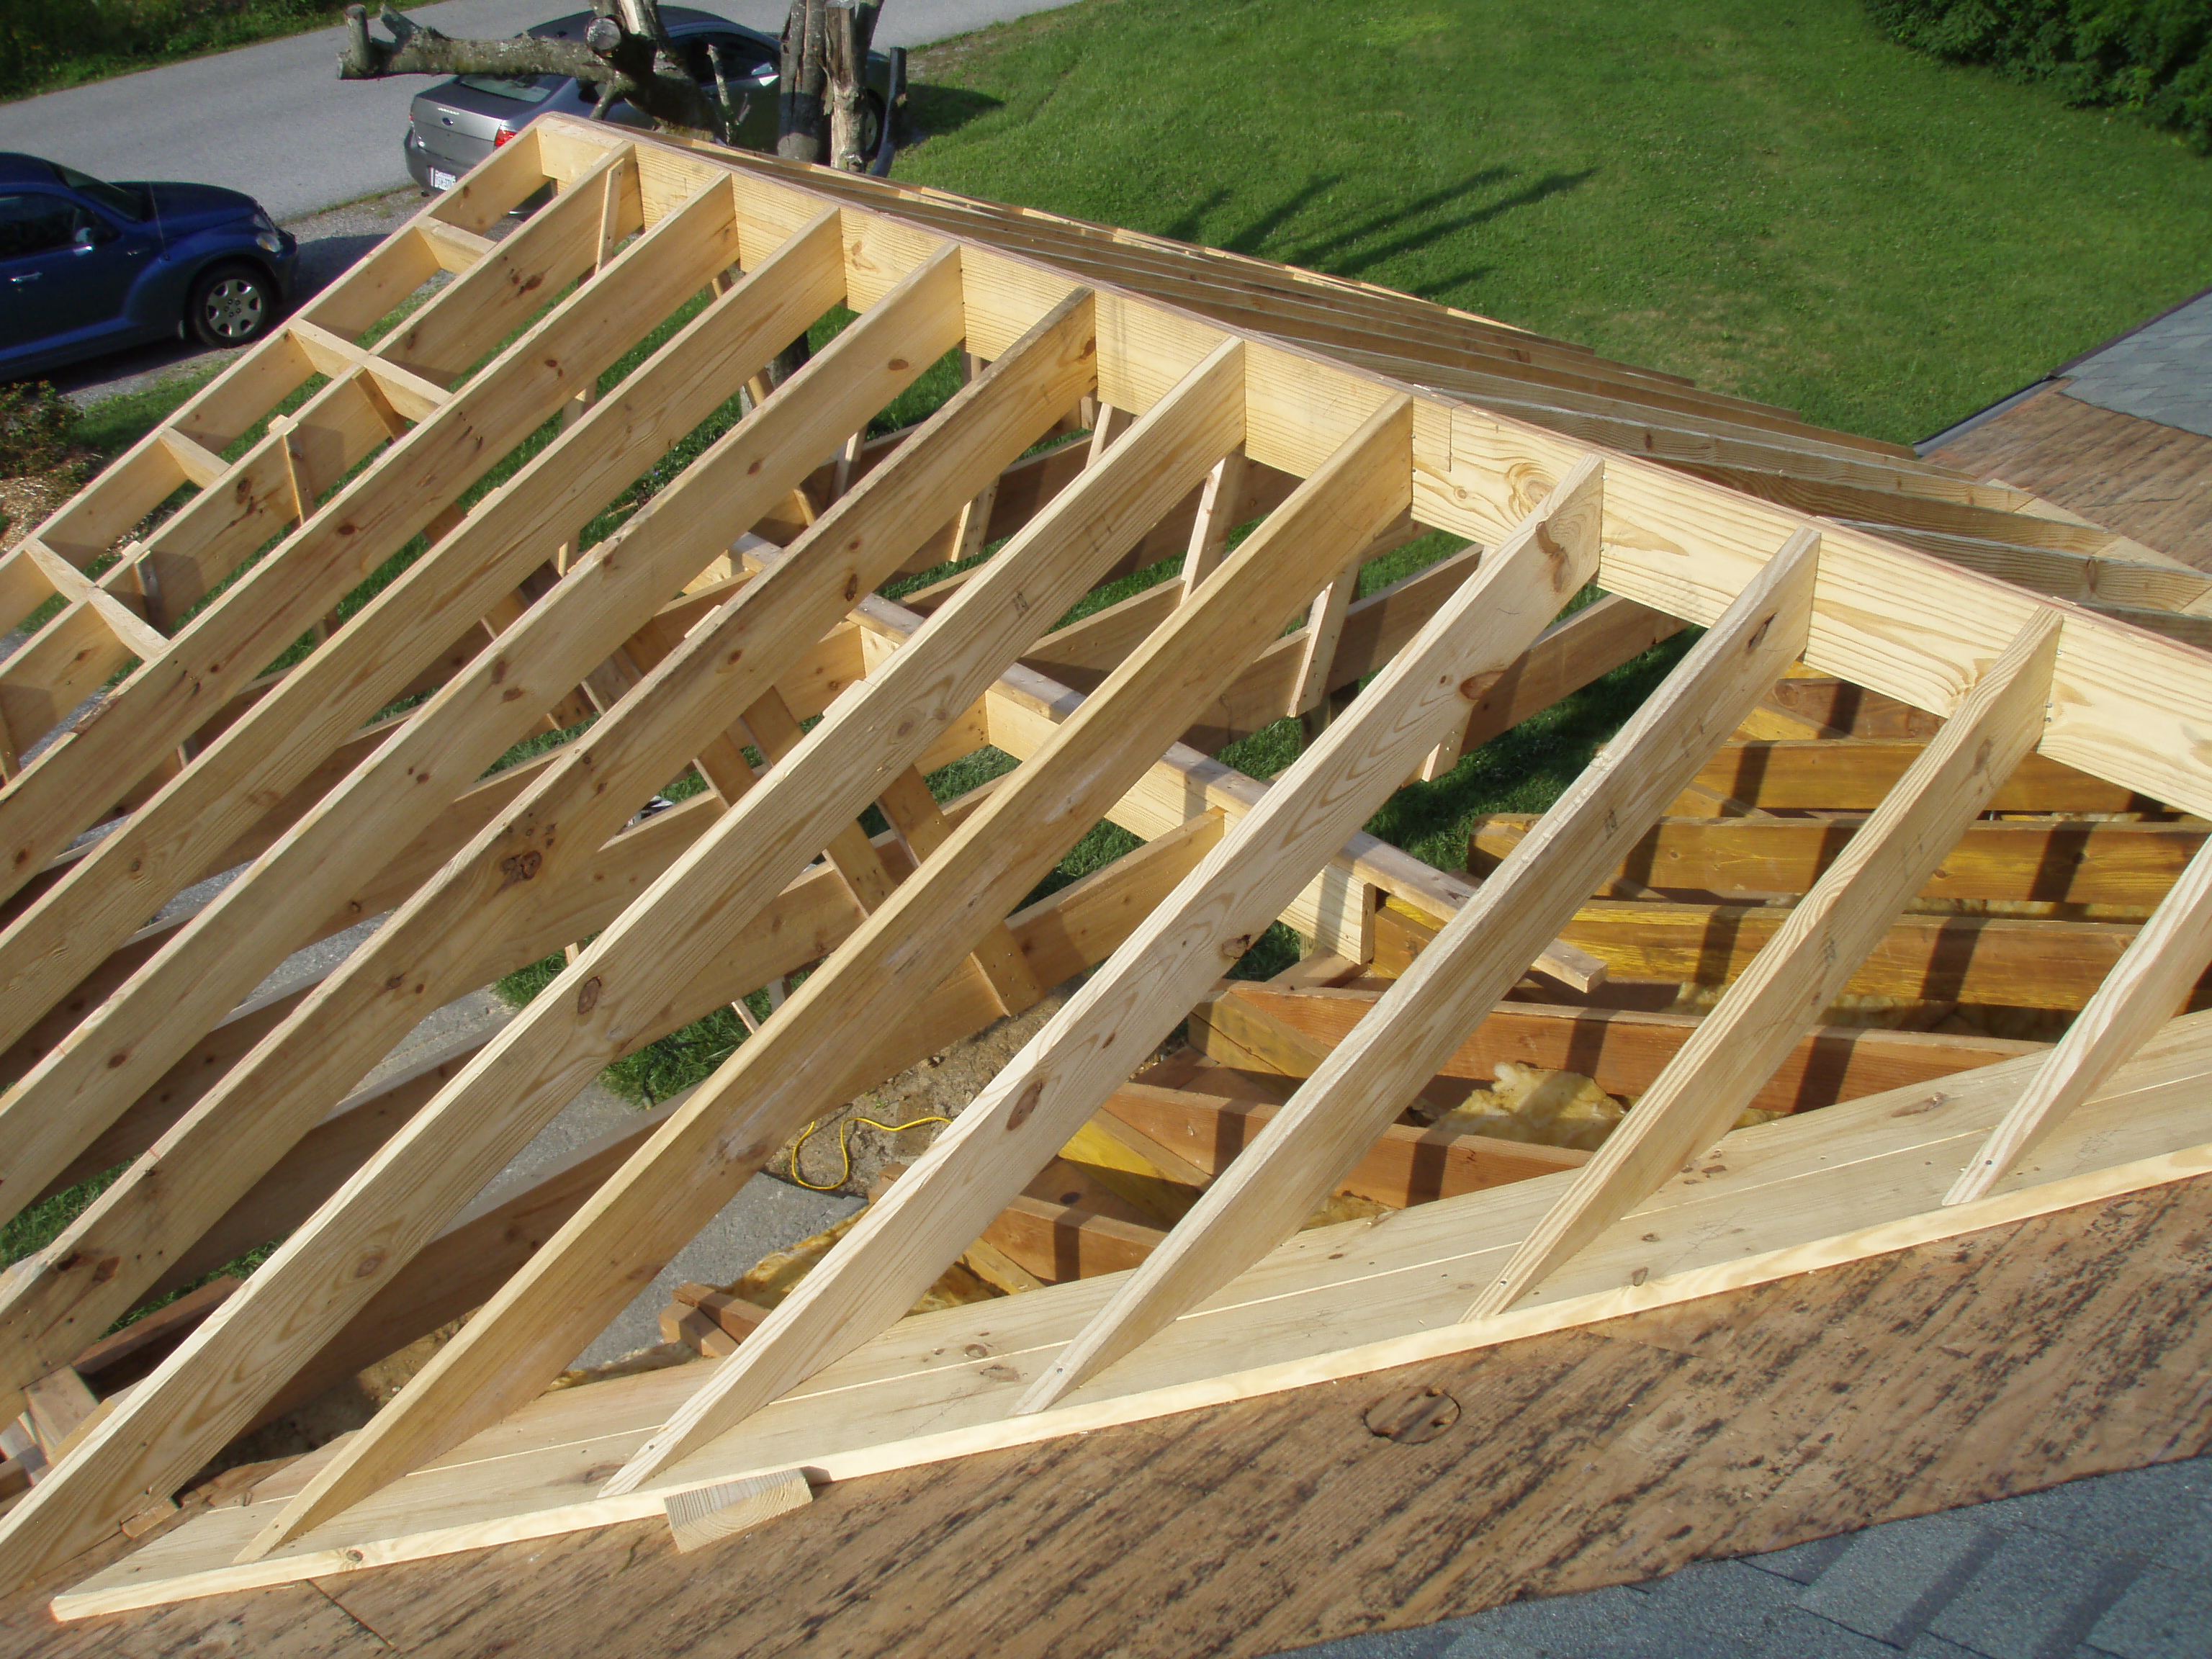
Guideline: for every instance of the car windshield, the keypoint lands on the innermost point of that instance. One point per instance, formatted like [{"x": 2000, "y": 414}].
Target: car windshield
[
  {"x": 531, "y": 89},
  {"x": 114, "y": 197}
]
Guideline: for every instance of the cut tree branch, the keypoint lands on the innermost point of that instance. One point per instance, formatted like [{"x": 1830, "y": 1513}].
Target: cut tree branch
[{"x": 619, "y": 62}]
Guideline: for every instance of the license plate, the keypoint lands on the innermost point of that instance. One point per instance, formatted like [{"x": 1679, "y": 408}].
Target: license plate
[{"x": 441, "y": 179}]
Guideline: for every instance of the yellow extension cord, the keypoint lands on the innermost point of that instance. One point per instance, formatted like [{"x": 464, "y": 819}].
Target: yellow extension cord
[{"x": 844, "y": 1147}]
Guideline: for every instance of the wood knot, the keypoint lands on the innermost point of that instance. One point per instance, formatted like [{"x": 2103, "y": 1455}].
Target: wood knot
[
  {"x": 1025, "y": 1103},
  {"x": 587, "y": 997},
  {"x": 521, "y": 867}
]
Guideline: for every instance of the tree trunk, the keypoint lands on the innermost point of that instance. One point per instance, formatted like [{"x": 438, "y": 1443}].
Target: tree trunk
[
  {"x": 851, "y": 26},
  {"x": 799, "y": 136}
]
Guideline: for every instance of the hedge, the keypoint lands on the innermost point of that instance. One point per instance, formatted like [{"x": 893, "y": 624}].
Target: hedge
[{"x": 2152, "y": 57}]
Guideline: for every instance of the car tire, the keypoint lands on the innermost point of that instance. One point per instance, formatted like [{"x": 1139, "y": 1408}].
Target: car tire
[
  {"x": 872, "y": 126},
  {"x": 231, "y": 305}
]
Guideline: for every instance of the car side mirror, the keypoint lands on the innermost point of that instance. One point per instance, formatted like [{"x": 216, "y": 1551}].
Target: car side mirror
[{"x": 89, "y": 236}]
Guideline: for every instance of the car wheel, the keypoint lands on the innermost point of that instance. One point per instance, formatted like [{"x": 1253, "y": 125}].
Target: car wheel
[
  {"x": 231, "y": 305},
  {"x": 872, "y": 125}
]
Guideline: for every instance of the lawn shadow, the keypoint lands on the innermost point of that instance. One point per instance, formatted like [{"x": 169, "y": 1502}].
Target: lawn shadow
[
  {"x": 1340, "y": 252},
  {"x": 933, "y": 111},
  {"x": 1190, "y": 225}
]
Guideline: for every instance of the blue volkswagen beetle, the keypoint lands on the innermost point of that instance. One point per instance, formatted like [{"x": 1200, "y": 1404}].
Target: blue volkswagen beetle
[{"x": 87, "y": 266}]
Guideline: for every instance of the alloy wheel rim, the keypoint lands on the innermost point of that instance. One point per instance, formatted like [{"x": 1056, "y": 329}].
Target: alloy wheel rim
[{"x": 233, "y": 308}]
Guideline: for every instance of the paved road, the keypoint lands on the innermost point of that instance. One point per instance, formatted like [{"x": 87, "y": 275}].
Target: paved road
[{"x": 273, "y": 121}]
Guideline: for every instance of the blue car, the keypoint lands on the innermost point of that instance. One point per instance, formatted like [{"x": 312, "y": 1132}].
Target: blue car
[{"x": 87, "y": 266}]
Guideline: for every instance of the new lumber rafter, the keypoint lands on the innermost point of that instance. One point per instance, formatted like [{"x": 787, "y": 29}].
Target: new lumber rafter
[
  {"x": 359, "y": 525},
  {"x": 799, "y": 1065},
  {"x": 1066, "y": 1072},
  {"x": 1224, "y": 391},
  {"x": 1714, "y": 1075},
  {"x": 1343, "y": 1108},
  {"x": 239, "y": 938},
  {"x": 544, "y": 851}
]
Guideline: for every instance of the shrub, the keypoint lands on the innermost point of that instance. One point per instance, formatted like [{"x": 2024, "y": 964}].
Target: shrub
[
  {"x": 2153, "y": 57},
  {"x": 38, "y": 429}
]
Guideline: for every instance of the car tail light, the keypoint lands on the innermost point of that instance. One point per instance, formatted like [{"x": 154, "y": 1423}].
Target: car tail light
[{"x": 500, "y": 134}]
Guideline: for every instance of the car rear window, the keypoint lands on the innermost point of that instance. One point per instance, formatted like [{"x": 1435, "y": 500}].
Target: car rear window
[{"x": 530, "y": 89}]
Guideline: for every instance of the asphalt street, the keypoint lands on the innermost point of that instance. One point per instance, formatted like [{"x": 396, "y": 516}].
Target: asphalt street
[{"x": 275, "y": 121}]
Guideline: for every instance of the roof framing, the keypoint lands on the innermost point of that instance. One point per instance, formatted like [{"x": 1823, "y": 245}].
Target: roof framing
[{"x": 1241, "y": 390}]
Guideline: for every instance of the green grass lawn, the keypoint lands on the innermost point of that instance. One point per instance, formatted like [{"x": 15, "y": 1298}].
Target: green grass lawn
[{"x": 1772, "y": 199}]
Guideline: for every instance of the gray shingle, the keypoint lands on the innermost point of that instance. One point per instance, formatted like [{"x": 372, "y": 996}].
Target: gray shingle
[
  {"x": 1598, "y": 1623},
  {"x": 1927, "y": 1645},
  {"x": 1713, "y": 1608},
  {"x": 1429, "y": 1642},
  {"x": 2163, "y": 1512},
  {"x": 1802, "y": 1563},
  {"x": 1480, "y": 1642},
  {"x": 2036, "y": 1597},
  {"x": 1893, "y": 1579},
  {"x": 2163, "y": 1615},
  {"x": 2161, "y": 372},
  {"x": 1798, "y": 1634}
]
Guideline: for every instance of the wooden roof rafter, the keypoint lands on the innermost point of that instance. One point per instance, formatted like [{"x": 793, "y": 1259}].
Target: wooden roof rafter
[{"x": 915, "y": 928}]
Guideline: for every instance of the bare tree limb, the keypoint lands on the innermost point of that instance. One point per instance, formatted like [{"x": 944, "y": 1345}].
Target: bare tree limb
[
  {"x": 627, "y": 54},
  {"x": 632, "y": 58}
]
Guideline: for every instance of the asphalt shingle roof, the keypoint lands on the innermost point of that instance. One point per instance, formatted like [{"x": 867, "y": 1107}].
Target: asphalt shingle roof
[{"x": 2115, "y": 1567}]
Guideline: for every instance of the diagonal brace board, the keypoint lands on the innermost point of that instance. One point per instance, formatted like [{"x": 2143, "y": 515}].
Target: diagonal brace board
[
  {"x": 1342, "y": 1108},
  {"x": 364, "y": 523},
  {"x": 123, "y": 1047},
  {"x": 447, "y": 937},
  {"x": 1050, "y": 1090},
  {"x": 2143, "y": 988},
  {"x": 801, "y": 1062},
  {"x": 1829, "y": 933}
]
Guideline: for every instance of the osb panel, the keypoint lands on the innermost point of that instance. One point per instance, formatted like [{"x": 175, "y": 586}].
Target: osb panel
[{"x": 1995, "y": 1363}]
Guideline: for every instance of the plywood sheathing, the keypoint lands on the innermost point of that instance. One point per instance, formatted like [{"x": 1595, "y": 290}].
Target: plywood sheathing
[{"x": 1738, "y": 1423}]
